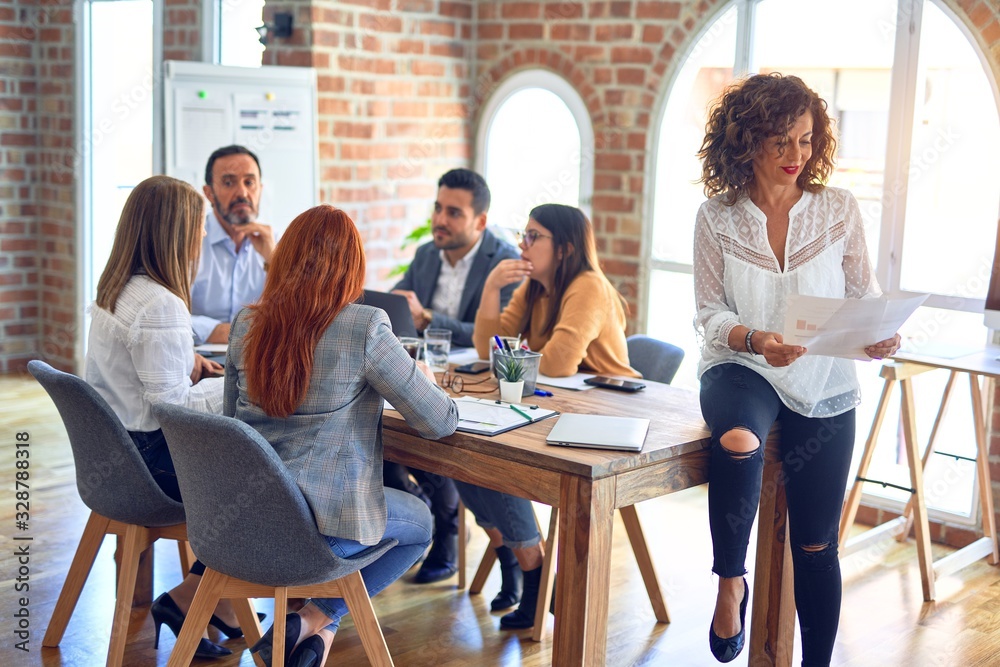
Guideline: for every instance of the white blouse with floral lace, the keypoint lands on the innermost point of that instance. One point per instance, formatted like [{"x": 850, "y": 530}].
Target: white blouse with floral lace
[{"x": 737, "y": 280}]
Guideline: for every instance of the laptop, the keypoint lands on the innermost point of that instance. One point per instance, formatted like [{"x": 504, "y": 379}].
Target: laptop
[
  {"x": 599, "y": 432},
  {"x": 396, "y": 307}
]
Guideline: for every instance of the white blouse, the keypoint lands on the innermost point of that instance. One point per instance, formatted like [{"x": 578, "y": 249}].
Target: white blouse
[
  {"x": 143, "y": 354},
  {"x": 737, "y": 280}
]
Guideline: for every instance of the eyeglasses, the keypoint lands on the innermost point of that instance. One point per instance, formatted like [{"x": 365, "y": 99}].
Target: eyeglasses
[
  {"x": 529, "y": 236},
  {"x": 457, "y": 384}
]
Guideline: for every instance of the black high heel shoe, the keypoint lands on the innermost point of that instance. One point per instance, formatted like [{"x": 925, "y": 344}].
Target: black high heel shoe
[
  {"x": 264, "y": 648},
  {"x": 726, "y": 650},
  {"x": 165, "y": 610},
  {"x": 309, "y": 653},
  {"x": 231, "y": 631}
]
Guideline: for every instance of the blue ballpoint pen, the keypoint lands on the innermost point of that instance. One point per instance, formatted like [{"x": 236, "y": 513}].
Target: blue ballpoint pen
[{"x": 542, "y": 392}]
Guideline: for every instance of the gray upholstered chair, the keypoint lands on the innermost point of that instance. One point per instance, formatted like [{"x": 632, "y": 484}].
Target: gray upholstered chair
[
  {"x": 656, "y": 360},
  {"x": 124, "y": 500},
  {"x": 251, "y": 527}
]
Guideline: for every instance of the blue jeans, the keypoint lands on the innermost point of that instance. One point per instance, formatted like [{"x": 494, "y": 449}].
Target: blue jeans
[
  {"x": 816, "y": 457},
  {"x": 407, "y": 520},
  {"x": 512, "y": 516},
  {"x": 152, "y": 448}
]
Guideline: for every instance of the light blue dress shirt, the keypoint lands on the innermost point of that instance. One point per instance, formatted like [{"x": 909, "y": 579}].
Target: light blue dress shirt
[{"x": 227, "y": 280}]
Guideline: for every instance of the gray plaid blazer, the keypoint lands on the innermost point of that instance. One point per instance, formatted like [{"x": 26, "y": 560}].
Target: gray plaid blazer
[{"x": 332, "y": 443}]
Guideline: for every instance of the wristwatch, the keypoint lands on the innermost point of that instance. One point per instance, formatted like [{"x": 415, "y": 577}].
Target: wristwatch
[{"x": 427, "y": 314}]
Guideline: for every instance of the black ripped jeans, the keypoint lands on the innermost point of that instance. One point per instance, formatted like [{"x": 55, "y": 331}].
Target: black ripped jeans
[{"x": 816, "y": 457}]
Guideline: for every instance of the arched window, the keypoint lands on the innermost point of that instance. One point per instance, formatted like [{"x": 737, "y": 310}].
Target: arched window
[
  {"x": 535, "y": 145},
  {"x": 917, "y": 116}
]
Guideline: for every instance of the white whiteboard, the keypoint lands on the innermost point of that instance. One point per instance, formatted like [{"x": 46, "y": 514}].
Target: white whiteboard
[{"x": 270, "y": 110}]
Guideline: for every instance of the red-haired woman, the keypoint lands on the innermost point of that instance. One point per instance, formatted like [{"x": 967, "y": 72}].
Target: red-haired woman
[{"x": 308, "y": 369}]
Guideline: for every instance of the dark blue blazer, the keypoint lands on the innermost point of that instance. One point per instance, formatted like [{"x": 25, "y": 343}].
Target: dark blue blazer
[{"x": 422, "y": 276}]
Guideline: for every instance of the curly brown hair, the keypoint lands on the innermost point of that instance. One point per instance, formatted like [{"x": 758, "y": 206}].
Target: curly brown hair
[{"x": 748, "y": 113}]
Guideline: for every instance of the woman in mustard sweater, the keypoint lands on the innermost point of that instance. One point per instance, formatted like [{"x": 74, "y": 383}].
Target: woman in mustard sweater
[{"x": 569, "y": 312}]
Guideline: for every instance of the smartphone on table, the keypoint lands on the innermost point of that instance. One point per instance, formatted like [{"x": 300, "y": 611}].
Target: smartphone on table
[
  {"x": 474, "y": 368},
  {"x": 614, "y": 383}
]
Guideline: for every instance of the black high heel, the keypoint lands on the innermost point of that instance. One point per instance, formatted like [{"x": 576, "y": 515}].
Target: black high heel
[
  {"x": 309, "y": 653},
  {"x": 231, "y": 631},
  {"x": 726, "y": 650},
  {"x": 165, "y": 610},
  {"x": 264, "y": 648}
]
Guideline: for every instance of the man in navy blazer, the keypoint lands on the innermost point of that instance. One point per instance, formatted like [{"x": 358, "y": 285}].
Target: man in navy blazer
[
  {"x": 445, "y": 280},
  {"x": 443, "y": 287}
]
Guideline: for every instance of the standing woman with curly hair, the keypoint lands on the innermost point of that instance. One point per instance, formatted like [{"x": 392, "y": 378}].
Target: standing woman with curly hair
[{"x": 772, "y": 228}]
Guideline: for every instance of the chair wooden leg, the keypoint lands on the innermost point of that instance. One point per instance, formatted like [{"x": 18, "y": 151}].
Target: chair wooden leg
[
  {"x": 79, "y": 570},
  {"x": 131, "y": 544},
  {"x": 187, "y": 557},
  {"x": 278, "y": 637},
  {"x": 463, "y": 539},
  {"x": 548, "y": 574},
  {"x": 205, "y": 600},
  {"x": 248, "y": 620},
  {"x": 630, "y": 517},
  {"x": 483, "y": 572},
  {"x": 359, "y": 605}
]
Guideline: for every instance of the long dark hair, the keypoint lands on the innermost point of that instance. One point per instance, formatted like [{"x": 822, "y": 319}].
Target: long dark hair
[{"x": 573, "y": 235}]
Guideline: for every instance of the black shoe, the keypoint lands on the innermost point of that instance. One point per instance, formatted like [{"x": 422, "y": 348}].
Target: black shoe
[
  {"x": 442, "y": 561},
  {"x": 263, "y": 648},
  {"x": 726, "y": 650},
  {"x": 511, "y": 580},
  {"x": 231, "y": 631},
  {"x": 308, "y": 654},
  {"x": 165, "y": 610},
  {"x": 524, "y": 616}
]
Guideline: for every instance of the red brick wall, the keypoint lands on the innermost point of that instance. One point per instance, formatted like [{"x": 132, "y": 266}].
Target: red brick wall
[
  {"x": 37, "y": 232},
  {"x": 393, "y": 107},
  {"x": 182, "y": 30},
  {"x": 56, "y": 186}
]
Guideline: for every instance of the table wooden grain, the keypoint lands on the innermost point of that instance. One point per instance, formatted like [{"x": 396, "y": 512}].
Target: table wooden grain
[{"x": 589, "y": 484}]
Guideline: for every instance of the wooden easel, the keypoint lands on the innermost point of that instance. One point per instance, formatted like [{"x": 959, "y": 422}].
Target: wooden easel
[{"x": 980, "y": 368}]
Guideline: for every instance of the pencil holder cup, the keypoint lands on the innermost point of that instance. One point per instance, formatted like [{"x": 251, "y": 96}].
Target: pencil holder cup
[{"x": 527, "y": 362}]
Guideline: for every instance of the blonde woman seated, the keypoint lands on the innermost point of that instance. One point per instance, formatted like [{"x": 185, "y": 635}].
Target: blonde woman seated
[
  {"x": 570, "y": 312},
  {"x": 141, "y": 350},
  {"x": 308, "y": 369}
]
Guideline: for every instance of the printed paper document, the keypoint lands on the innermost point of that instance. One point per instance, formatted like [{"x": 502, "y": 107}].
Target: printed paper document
[{"x": 845, "y": 327}]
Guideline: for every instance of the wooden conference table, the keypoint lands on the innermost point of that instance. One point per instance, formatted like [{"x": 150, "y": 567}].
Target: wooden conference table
[{"x": 588, "y": 485}]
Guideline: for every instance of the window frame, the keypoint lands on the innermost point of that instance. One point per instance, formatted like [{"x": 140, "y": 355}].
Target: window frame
[
  {"x": 84, "y": 181},
  {"x": 561, "y": 88},
  {"x": 888, "y": 256}
]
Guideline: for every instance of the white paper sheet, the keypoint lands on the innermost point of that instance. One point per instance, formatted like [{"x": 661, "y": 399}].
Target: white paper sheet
[
  {"x": 844, "y": 327},
  {"x": 211, "y": 348},
  {"x": 463, "y": 355},
  {"x": 574, "y": 382}
]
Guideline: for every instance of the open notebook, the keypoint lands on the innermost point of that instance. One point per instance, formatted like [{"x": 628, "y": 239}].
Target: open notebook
[
  {"x": 598, "y": 431},
  {"x": 489, "y": 417}
]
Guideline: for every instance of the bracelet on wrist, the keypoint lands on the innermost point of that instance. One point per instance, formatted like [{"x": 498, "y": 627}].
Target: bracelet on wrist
[{"x": 747, "y": 342}]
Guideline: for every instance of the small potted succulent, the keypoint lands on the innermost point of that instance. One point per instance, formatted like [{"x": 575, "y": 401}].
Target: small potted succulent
[{"x": 510, "y": 373}]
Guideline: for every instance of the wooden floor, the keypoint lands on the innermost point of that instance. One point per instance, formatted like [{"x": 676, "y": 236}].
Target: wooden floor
[{"x": 884, "y": 620}]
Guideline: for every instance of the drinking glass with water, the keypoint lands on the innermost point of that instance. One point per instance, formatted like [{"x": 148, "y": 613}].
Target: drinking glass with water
[{"x": 437, "y": 345}]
